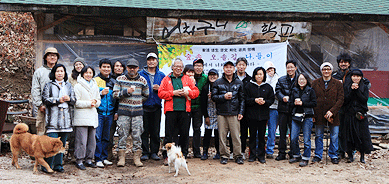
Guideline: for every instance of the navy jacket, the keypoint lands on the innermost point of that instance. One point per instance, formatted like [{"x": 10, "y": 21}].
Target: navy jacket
[{"x": 153, "y": 101}]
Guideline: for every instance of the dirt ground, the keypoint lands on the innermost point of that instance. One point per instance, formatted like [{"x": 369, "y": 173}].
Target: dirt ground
[{"x": 209, "y": 171}]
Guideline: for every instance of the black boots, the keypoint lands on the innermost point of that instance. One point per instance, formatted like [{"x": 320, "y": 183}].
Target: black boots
[
  {"x": 362, "y": 158},
  {"x": 350, "y": 157}
]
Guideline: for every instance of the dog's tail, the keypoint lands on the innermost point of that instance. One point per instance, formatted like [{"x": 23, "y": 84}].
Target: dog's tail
[{"x": 20, "y": 128}]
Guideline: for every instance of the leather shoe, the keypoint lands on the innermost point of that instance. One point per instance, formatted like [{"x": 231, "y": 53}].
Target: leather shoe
[
  {"x": 81, "y": 166},
  {"x": 217, "y": 156},
  {"x": 335, "y": 160},
  {"x": 269, "y": 156},
  {"x": 92, "y": 165},
  {"x": 251, "y": 159},
  {"x": 294, "y": 160},
  {"x": 281, "y": 157},
  {"x": 316, "y": 159},
  {"x": 204, "y": 157},
  {"x": 303, "y": 163},
  {"x": 239, "y": 160},
  {"x": 61, "y": 170},
  {"x": 155, "y": 157},
  {"x": 223, "y": 160},
  {"x": 262, "y": 160},
  {"x": 144, "y": 157},
  {"x": 197, "y": 155}
]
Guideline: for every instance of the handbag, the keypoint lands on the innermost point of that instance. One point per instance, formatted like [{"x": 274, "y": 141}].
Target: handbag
[
  {"x": 298, "y": 117},
  {"x": 360, "y": 116}
]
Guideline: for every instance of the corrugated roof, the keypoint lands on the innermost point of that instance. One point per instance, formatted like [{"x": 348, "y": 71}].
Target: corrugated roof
[{"x": 376, "y": 7}]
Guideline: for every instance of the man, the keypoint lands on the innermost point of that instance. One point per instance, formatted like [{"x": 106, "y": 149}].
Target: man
[
  {"x": 197, "y": 117},
  {"x": 106, "y": 112},
  {"x": 227, "y": 93},
  {"x": 283, "y": 91},
  {"x": 241, "y": 65},
  {"x": 177, "y": 90},
  {"x": 132, "y": 90},
  {"x": 39, "y": 80},
  {"x": 344, "y": 75},
  {"x": 329, "y": 93},
  {"x": 151, "y": 109}
]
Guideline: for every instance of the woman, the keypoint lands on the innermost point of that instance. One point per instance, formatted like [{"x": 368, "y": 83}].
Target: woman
[
  {"x": 356, "y": 127},
  {"x": 303, "y": 100},
  {"x": 272, "y": 79},
  {"x": 118, "y": 69},
  {"x": 88, "y": 99},
  {"x": 78, "y": 64},
  {"x": 259, "y": 96},
  {"x": 210, "y": 116},
  {"x": 59, "y": 98}
]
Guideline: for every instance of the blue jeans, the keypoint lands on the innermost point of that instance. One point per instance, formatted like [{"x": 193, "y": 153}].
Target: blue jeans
[
  {"x": 55, "y": 162},
  {"x": 102, "y": 137},
  {"x": 271, "y": 131},
  {"x": 332, "y": 152},
  {"x": 295, "y": 132}
]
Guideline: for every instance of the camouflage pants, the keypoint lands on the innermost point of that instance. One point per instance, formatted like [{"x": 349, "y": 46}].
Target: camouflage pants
[{"x": 133, "y": 125}]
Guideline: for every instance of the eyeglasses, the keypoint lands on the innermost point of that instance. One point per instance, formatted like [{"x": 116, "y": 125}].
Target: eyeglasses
[
  {"x": 326, "y": 69},
  {"x": 175, "y": 66}
]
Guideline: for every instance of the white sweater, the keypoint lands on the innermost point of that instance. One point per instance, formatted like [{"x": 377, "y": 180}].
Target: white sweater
[
  {"x": 84, "y": 113},
  {"x": 273, "y": 82}
]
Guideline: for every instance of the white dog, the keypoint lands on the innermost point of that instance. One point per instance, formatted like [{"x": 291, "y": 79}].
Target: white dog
[{"x": 175, "y": 157}]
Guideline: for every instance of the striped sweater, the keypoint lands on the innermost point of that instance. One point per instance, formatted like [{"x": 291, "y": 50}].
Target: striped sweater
[{"x": 130, "y": 104}]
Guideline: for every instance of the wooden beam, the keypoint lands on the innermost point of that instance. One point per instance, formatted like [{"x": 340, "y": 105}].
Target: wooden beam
[{"x": 65, "y": 18}]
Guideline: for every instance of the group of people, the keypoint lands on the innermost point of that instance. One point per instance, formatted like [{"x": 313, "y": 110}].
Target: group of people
[{"x": 90, "y": 108}]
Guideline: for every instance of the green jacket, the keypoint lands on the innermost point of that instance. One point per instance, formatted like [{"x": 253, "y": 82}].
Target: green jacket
[{"x": 200, "y": 83}]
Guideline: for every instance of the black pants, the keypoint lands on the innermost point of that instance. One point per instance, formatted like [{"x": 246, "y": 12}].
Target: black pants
[
  {"x": 207, "y": 139},
  {"x": 244, "y": 126},
  {"x": 260, "y": 127},
  {"x": 151, "y": 126},
  {"x": 284, "y": 121},
  {"x": 197, "y": 121},
  {"x": 177, "y": 123},
  {"x": 112, "y": 135}
]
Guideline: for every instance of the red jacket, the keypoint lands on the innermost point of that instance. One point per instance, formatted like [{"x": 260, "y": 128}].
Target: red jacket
[{"x": 166, "y": 89}]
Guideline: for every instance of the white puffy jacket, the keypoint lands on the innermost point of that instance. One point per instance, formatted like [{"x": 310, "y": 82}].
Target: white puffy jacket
[{"x": 84, "y": 113}]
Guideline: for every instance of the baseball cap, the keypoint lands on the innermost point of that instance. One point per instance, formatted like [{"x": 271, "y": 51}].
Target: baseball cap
[
  {"x": 213, "y": 71},
  {"x": 228, "y": 62},
  {"x": 152, "y": 54},
  {"x": 198, "y": 61}
]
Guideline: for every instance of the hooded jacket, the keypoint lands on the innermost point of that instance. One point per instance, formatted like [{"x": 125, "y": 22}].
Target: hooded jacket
[
  {"x": 236, "y": 104},
  {"x": 85, "y": 93},
  {"x": 153, "y": 101},
  {"x": 253, "y": 110}
]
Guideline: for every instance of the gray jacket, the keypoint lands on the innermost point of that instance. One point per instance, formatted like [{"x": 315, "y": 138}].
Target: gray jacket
[
  {"x": 58, "y": 119},
  {"x": 39, "y": 80}
]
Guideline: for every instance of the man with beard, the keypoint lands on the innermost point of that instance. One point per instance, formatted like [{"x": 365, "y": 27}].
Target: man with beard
[{"x": 131, "y": 90}]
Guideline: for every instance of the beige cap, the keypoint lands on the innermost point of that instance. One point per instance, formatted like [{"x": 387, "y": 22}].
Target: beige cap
[{"x": 51, "y": 50}]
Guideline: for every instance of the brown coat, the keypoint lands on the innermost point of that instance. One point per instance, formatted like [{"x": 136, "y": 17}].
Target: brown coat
[{"x": 330, "y": 99}]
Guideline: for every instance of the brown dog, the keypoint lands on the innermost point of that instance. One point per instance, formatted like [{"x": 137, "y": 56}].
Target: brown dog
[{"x": 37, "y": 146}]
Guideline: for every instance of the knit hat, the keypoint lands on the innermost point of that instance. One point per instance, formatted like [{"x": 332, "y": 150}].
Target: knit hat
[
  {"x": 326, "y": 64},
  {"x": 78, "y": 59},
  {"x": 268, "y": 64}
]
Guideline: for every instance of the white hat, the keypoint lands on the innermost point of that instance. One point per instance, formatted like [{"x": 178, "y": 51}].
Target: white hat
[
  {"x": 268, "y": 64},
  {"x": 152, "y": 54},
  {"x": 326, "y": 64}
]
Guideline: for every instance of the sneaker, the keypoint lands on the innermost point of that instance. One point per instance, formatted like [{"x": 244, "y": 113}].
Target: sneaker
[
  {"x": 316, "y": 159},
  {"x": 294, "y": 160},
  {"x": 239, "y": 160},
  {"x": 231, "y": 156},
  {"x": 204, "y": 157},
  {"x": 100, "y": 164},
  {"x": 81, "y": 166},
  {"x": 303, "y": 163},
  {"x": 144, "y": 157},
  {"x": 223, "y": 160},
  {"x": 155, "y": 157},
  {"x": 243, "y": 157},
  {"x": 197, "y": 155},
  {"x": 92, "y": 165},
  {"x": 166, "y": 162},
  {"x": 217, "y": 156},
  {"x": 262, "y": 160},
  {"x": 281, "y": 157},
  {"x": 335, "y": 160},
  {"x": 269, "y": 156},
  {"x": 107, "y": 162}
]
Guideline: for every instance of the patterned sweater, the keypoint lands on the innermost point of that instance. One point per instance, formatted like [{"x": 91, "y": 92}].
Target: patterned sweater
[{"x": 130, "y": 104}]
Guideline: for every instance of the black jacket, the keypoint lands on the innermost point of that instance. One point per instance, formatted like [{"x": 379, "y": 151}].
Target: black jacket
[
  {"x": 307, "y": 96},
  {"x": 355, "y": 100},
  {"x": 347, "y": 79},
  {"x": 246, "y": 80},
  {"x": 235, "y": 105},
  {"x": 254, "y": 111},
  {"x": 284, "y": 87}
]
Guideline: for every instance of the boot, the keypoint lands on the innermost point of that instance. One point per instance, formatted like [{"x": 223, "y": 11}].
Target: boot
[
  {"x": 110, "y": 155},
  {"x": 122, "y": 158},
  {"x": 350, "y": 157},
  {"x": 137, "y": 156},
  {"x": 362, "y": 158}
]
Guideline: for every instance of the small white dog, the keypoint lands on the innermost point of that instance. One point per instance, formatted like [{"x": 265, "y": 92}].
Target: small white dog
[{"x": 175, "y": 157}]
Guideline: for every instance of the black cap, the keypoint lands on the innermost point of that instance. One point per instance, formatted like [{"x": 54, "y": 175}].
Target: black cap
[
  {"x": 198, "y": 61},
  {"x": 133, "y": 62},
  {"x": 214, "y": 71},
  {"x": 228, "y": 62}
]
